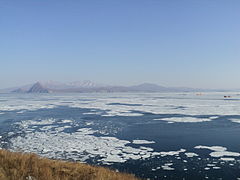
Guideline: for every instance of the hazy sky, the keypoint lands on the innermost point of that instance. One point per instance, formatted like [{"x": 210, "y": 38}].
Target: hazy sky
[{"x": 193, "y": 43}]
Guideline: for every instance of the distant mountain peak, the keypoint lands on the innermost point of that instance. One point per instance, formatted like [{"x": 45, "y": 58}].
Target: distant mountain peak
[
  {"x": 149, "y": 87},
  {"x": 38, "y": 88},
  {"x": 84, "y": 84},
  {"x": 38, "y": 84}
]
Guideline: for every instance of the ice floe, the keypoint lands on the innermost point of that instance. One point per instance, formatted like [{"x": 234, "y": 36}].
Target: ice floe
[
  {"x": 213, "y": 148},
  {"x": 190, "y": 154},
  {"x": 172, "y": 153},
  {"x": 219, "y": 151},
  {"x": 227, "y": 159},
  {"x": 235, "y": 120},
  {"x": 142, "y": 142},
  {"x": 184, "y": 119},
  {"x": 66, "y": 121},
  {"x": 224, "y": 153},
  {"x": 210, "y": 165},
  {"x": 213, "y": 117},
  {"x": 167, "y": 167},
  {"x": 216, "y": 167}
]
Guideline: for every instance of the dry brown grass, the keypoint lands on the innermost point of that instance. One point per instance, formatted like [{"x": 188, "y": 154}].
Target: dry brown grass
[{"x": 19, "y": 166}]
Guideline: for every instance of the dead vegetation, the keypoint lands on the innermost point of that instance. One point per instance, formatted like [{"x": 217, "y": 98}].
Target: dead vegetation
[{"x": 19, "y": 166}]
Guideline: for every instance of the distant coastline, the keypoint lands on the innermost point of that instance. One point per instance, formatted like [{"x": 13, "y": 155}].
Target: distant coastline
[{"x": 91, "y": 87}]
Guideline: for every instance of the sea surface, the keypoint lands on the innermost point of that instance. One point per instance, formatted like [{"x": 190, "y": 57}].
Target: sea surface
[{"x": 153, "y": 135}]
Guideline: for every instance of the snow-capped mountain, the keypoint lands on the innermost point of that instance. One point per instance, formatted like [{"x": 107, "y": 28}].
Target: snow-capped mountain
[{"x": 75, "y": 84}]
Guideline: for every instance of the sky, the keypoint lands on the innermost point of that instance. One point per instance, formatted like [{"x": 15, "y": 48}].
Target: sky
[{"x": 187, "y": 43}]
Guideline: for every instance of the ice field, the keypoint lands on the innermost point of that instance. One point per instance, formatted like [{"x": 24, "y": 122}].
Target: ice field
[{"x": 153, "y": 135}]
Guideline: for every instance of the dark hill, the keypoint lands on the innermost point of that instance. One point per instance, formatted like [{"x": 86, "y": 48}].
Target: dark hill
[{"x": 38, "y": 88}]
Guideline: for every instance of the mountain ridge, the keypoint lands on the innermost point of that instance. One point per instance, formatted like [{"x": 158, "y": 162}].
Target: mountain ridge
[{"x": 89, "y": 86}]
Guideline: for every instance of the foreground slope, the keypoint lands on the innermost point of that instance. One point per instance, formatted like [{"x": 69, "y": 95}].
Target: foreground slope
[{"x": 18, "y": 166}]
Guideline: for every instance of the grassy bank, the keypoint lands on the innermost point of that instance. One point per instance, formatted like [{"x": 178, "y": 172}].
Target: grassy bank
[{"x": 18, "y": 166}]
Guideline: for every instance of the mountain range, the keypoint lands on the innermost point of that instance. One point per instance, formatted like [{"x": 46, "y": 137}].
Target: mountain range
[{"x": 89, "y": 86}]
